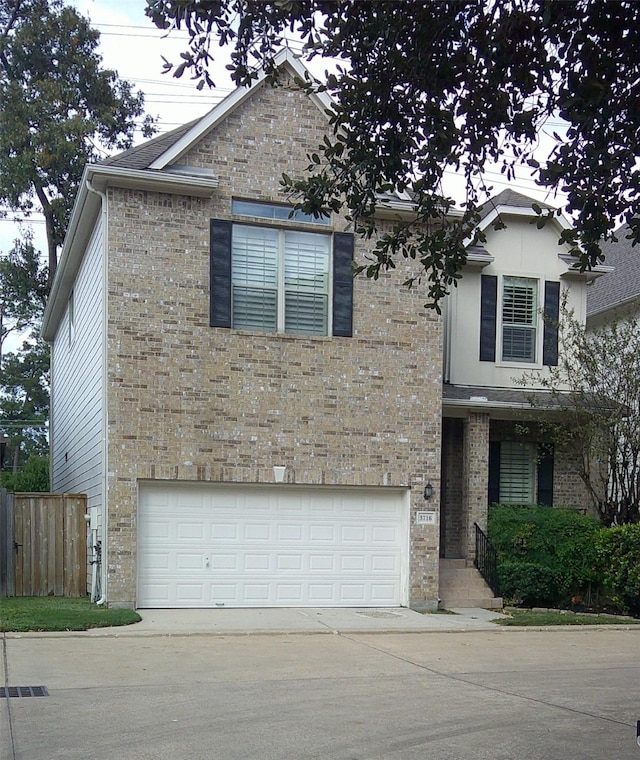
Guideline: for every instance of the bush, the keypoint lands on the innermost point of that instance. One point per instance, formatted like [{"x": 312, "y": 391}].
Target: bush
[
  {"x": 529, "y": 584},
  {"x": 619, "y": 554},
  {"x": 546, "y": 555},
  {"x": 34, "y": 476}
]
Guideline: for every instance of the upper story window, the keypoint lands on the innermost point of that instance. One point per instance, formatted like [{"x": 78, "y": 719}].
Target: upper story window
[
  {"x": 511, "y": 321},
  {"x": 282, "y": 275},
  {"x": 280, "y": 280},
  {"x": 519, "y": 319}
]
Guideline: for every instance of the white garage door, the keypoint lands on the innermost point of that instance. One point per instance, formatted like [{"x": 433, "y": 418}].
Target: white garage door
[{"x": 271, "y": 546}]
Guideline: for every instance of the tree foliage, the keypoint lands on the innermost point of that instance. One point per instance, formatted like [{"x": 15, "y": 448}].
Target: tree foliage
[
  {"x": 425, "y": 88},
  {"x": 24, "y": 372},
  {"x": 23, "y": 289},
  {"x": 596, "y": 386},
  {"x": 24, "y": 402},
  {"x": 59, "y": 109},
  {"x": 33, "y": 477}
]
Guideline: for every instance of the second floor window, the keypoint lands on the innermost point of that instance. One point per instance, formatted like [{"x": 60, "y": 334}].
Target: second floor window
[
  {"x": 280, "y": 280},
  {"x": 511, "y": 326},
  {"x": 519, "y": 319},
  {"x": 279, "y": 272}
]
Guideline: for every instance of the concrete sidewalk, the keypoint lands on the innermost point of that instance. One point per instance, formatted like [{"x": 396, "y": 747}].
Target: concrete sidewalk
[{"x": 293, "y": 620}]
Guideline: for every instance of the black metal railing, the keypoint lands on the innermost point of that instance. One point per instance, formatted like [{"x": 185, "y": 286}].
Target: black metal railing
[{"x": 486, "y": 560}]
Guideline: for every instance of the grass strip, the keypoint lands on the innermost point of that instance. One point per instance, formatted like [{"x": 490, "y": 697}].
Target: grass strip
[
  {"x": 560, "y": 617},
  {"x": 57, "y": 613}
]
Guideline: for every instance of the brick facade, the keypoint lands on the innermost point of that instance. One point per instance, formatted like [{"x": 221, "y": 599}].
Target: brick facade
[
  {"x": 476, "y": 469},
  {"x": 190, "y": 402}
]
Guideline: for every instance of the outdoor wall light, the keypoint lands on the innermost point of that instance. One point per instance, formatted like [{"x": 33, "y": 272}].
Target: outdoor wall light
[{"x": 428, "y": 491}]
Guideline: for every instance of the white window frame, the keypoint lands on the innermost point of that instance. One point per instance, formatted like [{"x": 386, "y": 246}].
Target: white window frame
[
  {"x": 537, "y": 326},
  {"x": 302, "y": 224}
]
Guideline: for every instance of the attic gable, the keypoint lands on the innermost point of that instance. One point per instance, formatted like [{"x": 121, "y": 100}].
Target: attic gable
[
  {"x": 285, "y": 62},
  {"x": 163, "y": 153}
]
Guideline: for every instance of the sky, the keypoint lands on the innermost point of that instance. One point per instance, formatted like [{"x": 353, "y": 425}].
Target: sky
[{"x": 131, "y": 45}]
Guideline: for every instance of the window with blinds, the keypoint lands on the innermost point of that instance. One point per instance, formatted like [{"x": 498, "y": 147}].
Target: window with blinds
[
  {"x": 519, "y": 319},
  {"x": 517, "y": 472},
  {"x": 280, "y": 280}
]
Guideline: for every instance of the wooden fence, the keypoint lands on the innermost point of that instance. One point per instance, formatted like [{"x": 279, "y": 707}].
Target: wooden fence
[{"x": 43, "y": 544}]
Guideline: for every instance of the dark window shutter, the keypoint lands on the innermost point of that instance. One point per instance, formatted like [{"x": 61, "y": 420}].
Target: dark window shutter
[
  {"x": 220, "y": 273},
  {"x": 551, "y": 317},
  {"x": 343, "y": 284},
  {"x": 494, "y": 472},
  {"x": 545, "y": 475},
  {"x": 488, "y": 305}
]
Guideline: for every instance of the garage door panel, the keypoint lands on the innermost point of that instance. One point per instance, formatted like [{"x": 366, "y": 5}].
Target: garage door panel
[
  {"x": 309, "y": 547},
  {"x": 190, "y": 531},
  {"x": 223, "y": 532}
]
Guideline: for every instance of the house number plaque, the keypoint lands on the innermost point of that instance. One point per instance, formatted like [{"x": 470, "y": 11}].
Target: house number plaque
[{"x": 426, "y": 518}]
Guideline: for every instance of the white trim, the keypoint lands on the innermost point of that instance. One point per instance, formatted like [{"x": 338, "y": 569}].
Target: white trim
[{"x": 198, "y": 185}]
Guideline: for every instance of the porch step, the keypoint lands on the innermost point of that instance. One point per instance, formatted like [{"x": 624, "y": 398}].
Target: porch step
[{"x": 462, "y": 586}]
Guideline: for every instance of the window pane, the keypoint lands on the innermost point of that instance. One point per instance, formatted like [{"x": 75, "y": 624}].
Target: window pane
[
  {"x": 519, "y": 319},
  {"x": 306, "y": 277},
  {"x": 254, "y": 256},
  {"x": 306, "y": 262},
  {"x": 305, "y": 313},
  {"x": 255, "y": 278},
  {"x": 274, "y": 211},
  {"x": 518, "y": 344},
  {"x": 517, "y": 472},
  {"x": 519, "y": 303},
  {"x": 254, "y": 309}
]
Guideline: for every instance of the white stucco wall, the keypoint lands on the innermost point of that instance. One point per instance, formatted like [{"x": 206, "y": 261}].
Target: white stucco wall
[{"x": 522, "y": 250}]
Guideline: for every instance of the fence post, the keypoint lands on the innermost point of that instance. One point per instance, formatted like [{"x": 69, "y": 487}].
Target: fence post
[{"x": 7, "y": 545}]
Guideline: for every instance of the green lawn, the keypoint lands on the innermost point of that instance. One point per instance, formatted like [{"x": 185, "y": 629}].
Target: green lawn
[
  {"x": 57, "y": 613},
  {"x": 557, "y": 617}
]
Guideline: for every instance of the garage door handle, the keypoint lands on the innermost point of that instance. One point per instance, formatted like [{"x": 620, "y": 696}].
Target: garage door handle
[{"x": 206, "y": 562}]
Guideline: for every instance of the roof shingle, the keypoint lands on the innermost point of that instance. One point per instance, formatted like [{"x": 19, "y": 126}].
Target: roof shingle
[{"x": 623, "y": 284}]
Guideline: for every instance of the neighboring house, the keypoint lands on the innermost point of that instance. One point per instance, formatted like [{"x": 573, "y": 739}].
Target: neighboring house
[
  {"x": 254, "y": 427},
  {"x": 617, "y": 294},
  {"x": 500, "y": 324}
]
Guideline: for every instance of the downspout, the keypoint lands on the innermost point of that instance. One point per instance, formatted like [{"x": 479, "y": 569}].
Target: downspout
[{"x": 105, "y": 427}]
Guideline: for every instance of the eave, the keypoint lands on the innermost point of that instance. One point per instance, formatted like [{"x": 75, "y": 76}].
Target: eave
[{"x": 99, "y": 177}]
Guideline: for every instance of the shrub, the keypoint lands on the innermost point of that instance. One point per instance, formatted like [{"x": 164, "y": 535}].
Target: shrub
[
  {"x": 619, "y": 554},
  {"x": 546, "y": 555},
  {"x": 528, "y": 583},
  {"x": 33, "y": 477}
]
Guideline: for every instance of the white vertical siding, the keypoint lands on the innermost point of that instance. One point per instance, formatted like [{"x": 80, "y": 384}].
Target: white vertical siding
[{"x": 77, "y": 371}]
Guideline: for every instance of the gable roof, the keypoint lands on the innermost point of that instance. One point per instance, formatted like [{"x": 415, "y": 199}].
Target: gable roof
[
  {"x": 511, "y": 202},
  {"x": 151, "y": 166},
  {"x": 509, "y": 199},
  {"x": 622, "y": 285},
  {"x": 142, "y": 156}
]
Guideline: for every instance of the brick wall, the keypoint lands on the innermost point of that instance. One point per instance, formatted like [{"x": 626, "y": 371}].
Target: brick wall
[
  {"x": 190, "y": 402},
  {"x": 476, "y": 471}
]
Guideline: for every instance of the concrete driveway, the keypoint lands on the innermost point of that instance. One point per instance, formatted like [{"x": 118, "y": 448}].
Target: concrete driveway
[{"x": 485, "y": 694}]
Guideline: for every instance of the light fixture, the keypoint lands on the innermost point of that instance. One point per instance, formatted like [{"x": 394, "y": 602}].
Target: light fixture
[
  {"x": 428, "y": 491},
  {"x": 278, "y": 474}
]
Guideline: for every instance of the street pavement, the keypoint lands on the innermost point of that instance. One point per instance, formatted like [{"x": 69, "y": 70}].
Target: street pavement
[{"x": 338, "y": 692}]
